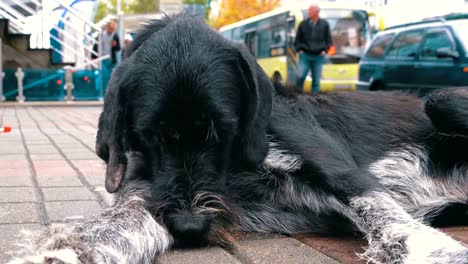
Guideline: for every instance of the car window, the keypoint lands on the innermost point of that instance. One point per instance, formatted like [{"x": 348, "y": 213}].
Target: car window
[
  {"x": 406, "y": 44},
  {"x": 433, "y": 42},
  {"x": 379, "y": 46},
  {"x": 461, "y": 29}
]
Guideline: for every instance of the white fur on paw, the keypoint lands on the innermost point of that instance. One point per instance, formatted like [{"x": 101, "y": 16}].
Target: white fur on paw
[
  {"x": 430, "y": 246},
  {"x": 66, "y": 256}
]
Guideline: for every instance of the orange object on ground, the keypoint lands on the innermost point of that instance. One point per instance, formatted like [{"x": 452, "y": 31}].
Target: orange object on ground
[{"x": 5, "y": 129}]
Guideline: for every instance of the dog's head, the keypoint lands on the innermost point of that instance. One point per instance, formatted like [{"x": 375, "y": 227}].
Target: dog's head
[{"x": 182, "y": 109}]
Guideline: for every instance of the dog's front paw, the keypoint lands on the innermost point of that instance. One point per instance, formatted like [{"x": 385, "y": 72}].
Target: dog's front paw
[
  {"x": 58, "y": 245},
  {"x": 430, "y": 246}
]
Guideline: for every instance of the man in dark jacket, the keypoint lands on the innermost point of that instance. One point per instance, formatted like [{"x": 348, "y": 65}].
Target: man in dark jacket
[
  {"x": 110, "y": 46},
  {"x": 313, "y": 39}
]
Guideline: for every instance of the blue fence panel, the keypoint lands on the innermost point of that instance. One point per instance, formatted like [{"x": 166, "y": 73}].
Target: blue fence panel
[
  {"x": 38, "y": 85},
  {"x": 10, "y": 85},
  {"x": 86, "y": 85},
  {"x": 48, "y": 85}
]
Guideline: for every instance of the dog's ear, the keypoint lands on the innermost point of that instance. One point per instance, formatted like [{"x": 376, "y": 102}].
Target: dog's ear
[
  {"x": 111, "y": 131},
  {"x": 257, "y": 109}
]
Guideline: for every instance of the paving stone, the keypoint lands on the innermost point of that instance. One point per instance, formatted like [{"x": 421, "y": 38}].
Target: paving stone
[
  {"x": 91, "y": 167},
  {"x": 13, "y": 163},
  {"x": 51, "y": 131},
  {"x": 9, "y": 157},
  {"x": 343, "y": 249},
  {"x": 13, "y": 135},
  {"x": 18, "y": 213},
  {"x": 13, "y": 172},
  {"x": 58, "y": 181},
  {"x": 459, "y": 233},
  {"x": 10, "y": 235},
  {"x": 255, "y": 236},
  {"x": 67, "y": 210},
  {"x": 50, "y": 163},
  {"x": 35, "y": 138},
  {"x": 212, "y": 255},
  {"x": 96, "y": 180},
  {"x": 65, "y": 139},
  {"x": 81, "y": 155},
  {"x": 12, "y": 149},
  {"x": 46, "y": 156},
  {"x": 55, "y": 171},
  {"x": 37, "y": 142},
  {"x": 8, "y": 143},
  {"x": 67, "y": 194},
  {"x": 34, "y": 135},
  {"x": 16, "y": 194},
  {"x": 72, "y": 147},
  {"x": 15, "y": 181},
  {"x": 53, "y": 168},
  {"x": 42, "y": 149},
  {"x": 281, "y": 250}
]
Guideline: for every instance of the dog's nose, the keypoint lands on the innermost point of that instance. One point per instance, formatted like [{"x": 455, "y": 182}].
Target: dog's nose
[{"x": 189, "y": 229}]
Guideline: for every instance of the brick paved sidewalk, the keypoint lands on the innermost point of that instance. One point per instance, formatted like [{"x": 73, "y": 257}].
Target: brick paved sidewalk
[{"x": 50, "y": 174}]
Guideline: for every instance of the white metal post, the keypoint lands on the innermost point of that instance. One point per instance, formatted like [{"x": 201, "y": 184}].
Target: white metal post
[
  {"x": 2, "y": 98},
  {"x": 101, "y": 88},
  {"x": 120, "y": 22},
  {"x": 20, "y": 76},
  {"x": 69, "y": 83}
]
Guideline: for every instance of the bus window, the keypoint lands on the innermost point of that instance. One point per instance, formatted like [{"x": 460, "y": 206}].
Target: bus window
[
  {"x": 227, "y": 34},
  {"x": 278, "y": 37},
  {"x": 264, "y": 42},
  {"x": 278, "y": 41},
  {"x": 236, "y": 35},
  {"x": 291, "y": 31},
  {"x": 251, "y": 42}
]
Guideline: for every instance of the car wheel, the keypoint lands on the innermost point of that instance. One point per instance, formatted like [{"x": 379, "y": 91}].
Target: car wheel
[{"x": 377, "y": 86}]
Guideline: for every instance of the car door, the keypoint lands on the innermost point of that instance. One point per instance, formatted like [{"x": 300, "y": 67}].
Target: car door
[
  {"x": 400, "y": 59},
  {"x": 435, "y": 69},
  {"x": 371, "y": 65}
]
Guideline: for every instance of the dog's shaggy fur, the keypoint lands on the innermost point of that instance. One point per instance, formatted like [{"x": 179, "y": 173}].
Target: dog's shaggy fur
[{"x": 198, "y": 141}]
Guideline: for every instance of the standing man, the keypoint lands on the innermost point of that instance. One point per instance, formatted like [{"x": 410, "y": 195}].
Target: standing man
[
  {"x": 110, "y": 46},
  {"x": 313, "y": 39}
]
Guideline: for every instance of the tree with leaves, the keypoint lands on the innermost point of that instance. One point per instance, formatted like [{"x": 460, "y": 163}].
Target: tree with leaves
[
  {"x": 106, "y": 7},
  {"x": 232, "y": 11}
]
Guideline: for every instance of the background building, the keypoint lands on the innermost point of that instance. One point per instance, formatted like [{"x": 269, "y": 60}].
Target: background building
[{"x": 171, "y": 6}]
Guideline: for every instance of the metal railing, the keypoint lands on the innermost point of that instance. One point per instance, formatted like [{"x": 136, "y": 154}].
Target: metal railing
[
  {"x": 16, "y": 19},
  {"x": 18, "y": 12},
  {"x": 2, "y": 74},
  {"x": 74, "y": 40},
  {"x": 72, "y": 34}
]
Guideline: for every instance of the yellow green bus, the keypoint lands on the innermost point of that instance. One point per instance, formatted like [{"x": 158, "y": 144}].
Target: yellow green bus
[{"x": 270, "y": 37}]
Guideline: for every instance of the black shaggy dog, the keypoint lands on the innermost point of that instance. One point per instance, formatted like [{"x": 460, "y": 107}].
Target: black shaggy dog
[{"x": 197, "y": 142}]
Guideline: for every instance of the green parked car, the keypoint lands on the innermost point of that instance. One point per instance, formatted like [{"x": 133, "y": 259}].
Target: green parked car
[{"x": 420, "y": 57}]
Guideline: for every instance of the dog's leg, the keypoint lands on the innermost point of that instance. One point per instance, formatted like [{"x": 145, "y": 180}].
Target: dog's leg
[
  {"x": 448, "y": 110},
  {"x": 407, "y": 178},
  {"x": 395, "y": 237},
  {"x": 124, "y": 233},
  {"x": 388, "y": 216}
]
